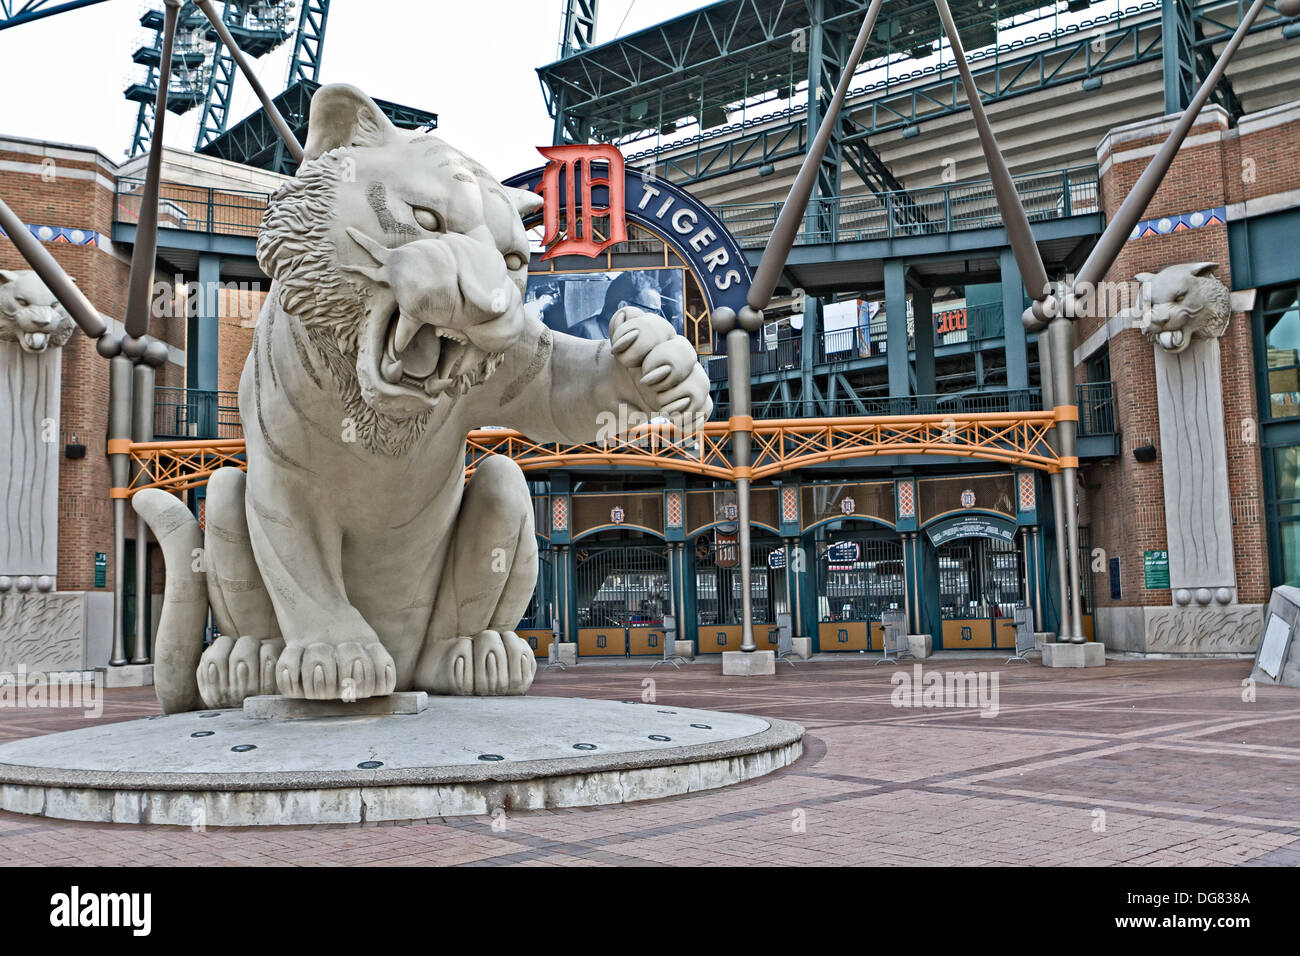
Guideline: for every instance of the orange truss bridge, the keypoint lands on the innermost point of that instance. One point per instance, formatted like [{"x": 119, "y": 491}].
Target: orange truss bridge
[{"x": 1015, "y": 438}]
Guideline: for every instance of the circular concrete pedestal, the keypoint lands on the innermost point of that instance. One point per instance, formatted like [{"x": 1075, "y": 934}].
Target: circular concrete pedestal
[{"x": 462, "y": 755}]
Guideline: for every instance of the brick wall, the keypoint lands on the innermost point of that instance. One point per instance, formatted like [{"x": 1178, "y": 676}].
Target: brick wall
[
  {"x": 1122, "y": 500},
  {"x": 73, "y": 190},
  {"x": 238, "y": 315}
]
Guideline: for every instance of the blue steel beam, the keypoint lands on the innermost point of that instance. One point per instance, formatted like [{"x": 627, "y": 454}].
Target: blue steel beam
[
  {"x": 14, "y": 13},
  {"x": 221, "y": 82},
  {"x": 1077, "y": 56},
  {"x": 579, "y": 26},
  {"x": 309, "y": 44},
  {"x": 671, "y": 63}
]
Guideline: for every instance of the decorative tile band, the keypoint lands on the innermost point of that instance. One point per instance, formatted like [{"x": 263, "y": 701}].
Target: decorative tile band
[
  {"x": 75, "y": 237},
  {"x": 1165, "y": 225}
]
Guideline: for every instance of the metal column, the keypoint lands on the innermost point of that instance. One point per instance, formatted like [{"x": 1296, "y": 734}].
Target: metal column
[
  {"x": 142, "y": 431},
  {"x": 119, "y": 466}
]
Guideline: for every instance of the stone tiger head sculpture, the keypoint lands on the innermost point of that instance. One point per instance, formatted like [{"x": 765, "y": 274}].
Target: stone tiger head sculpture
[
  {"x": 29, "y": 313},
  {"x": 1181, "y": 303},
  {"x": 405, "y": 260}
]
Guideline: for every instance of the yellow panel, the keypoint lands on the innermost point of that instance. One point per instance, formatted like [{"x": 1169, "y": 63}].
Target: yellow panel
[
  {"x": 766, "y": 636},
  {"x": 716, "y": 638},
  {"x": 972, "y": 632},
  {"x": 842, "y": 635},
  {"x": 539, "y": 639},
  {"x": 645, "y": 640},
  {"x": 601, "y": 642},
  {"x": 1004, "y": 632},
  {"x": 1087, "y": 627},
  {"x": 876, "y": 642}
]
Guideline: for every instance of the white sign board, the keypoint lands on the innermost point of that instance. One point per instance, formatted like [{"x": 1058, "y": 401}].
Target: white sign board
[{"x": 1273, "y": 650}]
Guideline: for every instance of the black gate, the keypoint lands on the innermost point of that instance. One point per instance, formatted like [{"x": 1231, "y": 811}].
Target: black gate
[
  {"x": 622, "y": 593},
  {"x": 981, "y": 581},
  {"x": 859, "y": 576},
  {"x": 718, "y": 591}
]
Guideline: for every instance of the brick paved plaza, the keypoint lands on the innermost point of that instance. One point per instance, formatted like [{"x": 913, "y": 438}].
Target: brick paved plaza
[{"x": 1142, "y": 763}]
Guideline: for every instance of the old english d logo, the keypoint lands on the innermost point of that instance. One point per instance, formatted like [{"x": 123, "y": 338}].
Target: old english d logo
[
  {"x": 600, "y": 640},
  {"x": 575, "y": 163},
  {"x": 722, "y": 638}
]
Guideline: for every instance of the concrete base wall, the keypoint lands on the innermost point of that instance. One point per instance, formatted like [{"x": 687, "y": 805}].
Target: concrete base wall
[
  {"x": 55, "y": 631},
  {"x": 1194, "y": 631}
]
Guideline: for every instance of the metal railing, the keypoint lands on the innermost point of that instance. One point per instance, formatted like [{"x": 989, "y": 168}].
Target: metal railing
[
  {"x": 963, "y": 403},
  {"x": 225, "y": 212},
  {"x": 971, "y": 325},
  {"x": 785, "y": 355},
  {"x": 191, "y": 413},
  {"x": 933, "y": 210},
  {"x": 1096, "y": 401}
]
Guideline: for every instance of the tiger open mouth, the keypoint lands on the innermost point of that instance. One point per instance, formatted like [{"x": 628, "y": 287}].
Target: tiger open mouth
[
  {"x": 406, "y": 366},
  {"x": 33, "y": 341},
  {"x": 430, "y": 358}
]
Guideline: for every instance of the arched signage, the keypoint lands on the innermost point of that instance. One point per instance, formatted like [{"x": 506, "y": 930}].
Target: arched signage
[
  {"x": 687, "y": 225},
  {"x": 971, "y": 526}
]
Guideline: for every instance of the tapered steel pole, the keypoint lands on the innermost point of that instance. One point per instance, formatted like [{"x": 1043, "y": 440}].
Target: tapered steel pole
[
  {"x": 1055, "y": 482},
  {"x": 277, "y": 120},
  {"x": 742, "y": 424},
  {"x": 140, "y": 285},
  {"x": 1061, "y": 340},
  {"x": 739, "y": 328},
  {"x": 1112, "y": 240}
]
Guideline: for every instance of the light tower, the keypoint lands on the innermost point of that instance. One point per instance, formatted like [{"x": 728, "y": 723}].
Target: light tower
[{"x": 201, "y": 71}]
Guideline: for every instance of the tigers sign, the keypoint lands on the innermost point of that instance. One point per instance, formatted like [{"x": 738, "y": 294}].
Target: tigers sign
[{"x": 589, "y": 197}]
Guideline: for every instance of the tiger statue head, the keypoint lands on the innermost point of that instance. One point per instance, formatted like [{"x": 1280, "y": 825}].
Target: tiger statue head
[
  {"x": 404, "y": 259},
  {"x": 29, "y": 313},
  {"x": 1182, "y": 303}
]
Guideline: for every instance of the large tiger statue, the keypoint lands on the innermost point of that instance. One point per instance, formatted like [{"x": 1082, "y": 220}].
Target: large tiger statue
[{"x": 354, "y": 559}]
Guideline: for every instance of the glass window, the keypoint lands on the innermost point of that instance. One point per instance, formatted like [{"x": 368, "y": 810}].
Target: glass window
[
  {"x": 1286, "y": 473},
  {"x": 1282, "y": 351},
  {"x": 1286, "y": 505}
]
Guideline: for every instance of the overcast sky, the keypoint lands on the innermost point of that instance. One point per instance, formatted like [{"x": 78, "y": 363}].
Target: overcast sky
[{"x": 473, "y": 63}]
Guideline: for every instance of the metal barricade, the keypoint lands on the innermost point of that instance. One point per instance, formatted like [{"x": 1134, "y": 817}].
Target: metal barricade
[
  {"x": 1024, "y": 623},
  {"x": 553, "y": 652},
  {"x": 785, "y": 638},
  {"x": 670, "y": 645},
  {"x": 894, "y": 625}
]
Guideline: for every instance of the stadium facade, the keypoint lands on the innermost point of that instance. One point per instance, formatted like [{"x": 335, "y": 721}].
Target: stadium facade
[{"x": 895, "y": 390}]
